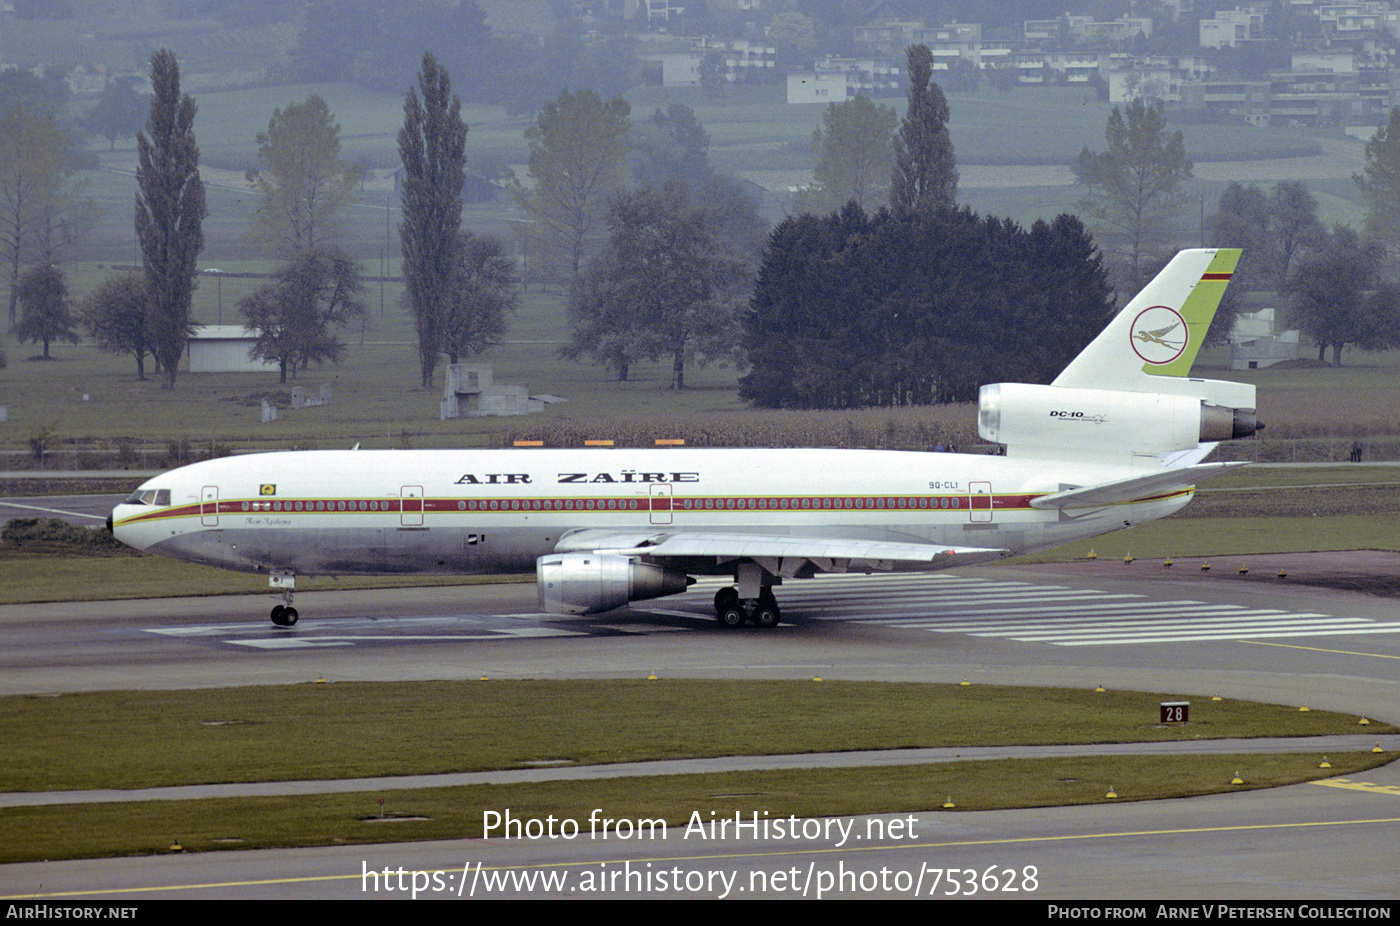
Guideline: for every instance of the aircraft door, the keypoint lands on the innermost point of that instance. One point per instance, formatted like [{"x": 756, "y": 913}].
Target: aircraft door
[
  {"x": 660, "y": 503},
  {"x": 979, "y": 501},
  {"x": 411, "y": 506},
  {"x": 209, "y": 506}
]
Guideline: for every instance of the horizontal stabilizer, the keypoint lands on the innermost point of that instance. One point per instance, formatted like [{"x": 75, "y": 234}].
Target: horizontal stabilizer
[
  {"x": 852, "y": 554},
  {"x": 1127, "y": 490}
]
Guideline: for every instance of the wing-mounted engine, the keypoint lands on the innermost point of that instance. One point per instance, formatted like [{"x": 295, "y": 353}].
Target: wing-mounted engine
[
  {"x": 1071, "y": 423},
  {"x": 588, "y": 583}
]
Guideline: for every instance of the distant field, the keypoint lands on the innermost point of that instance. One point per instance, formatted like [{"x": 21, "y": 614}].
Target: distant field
[{"x": 378, "y": 401}]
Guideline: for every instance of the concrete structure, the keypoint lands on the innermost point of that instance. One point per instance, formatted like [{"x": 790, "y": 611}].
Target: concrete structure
[
  {"x": 1254, "y": 345},
  {"x": 224, "y": 349},
  {"x": 470, "y": 392}
]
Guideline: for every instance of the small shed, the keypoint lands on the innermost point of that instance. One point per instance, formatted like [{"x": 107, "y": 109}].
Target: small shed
[{"x": 224, "y": 349}]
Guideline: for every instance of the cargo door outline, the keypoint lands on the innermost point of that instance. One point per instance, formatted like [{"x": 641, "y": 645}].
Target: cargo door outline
[
  {"x": 411, "y": 506},
  {"x": 660, "y": 500},
  {"x": 979, "y": 502},
  {"x": 209, "y": 506}
]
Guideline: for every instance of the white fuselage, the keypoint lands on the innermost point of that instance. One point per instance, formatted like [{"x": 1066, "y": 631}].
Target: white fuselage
[{"x": 478, "y": 511}]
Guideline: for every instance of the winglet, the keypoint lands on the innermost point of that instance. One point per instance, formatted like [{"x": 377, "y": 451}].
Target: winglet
[{"x": 1159, "y": 332}]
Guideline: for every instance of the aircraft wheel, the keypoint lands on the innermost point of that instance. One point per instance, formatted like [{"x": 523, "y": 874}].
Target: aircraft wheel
[
  {"x": 277, "y": 613},
  {"x": 726, "y": 598},
  {"x": 767, "y": 615},
  {"x": 289, "y": 617},
  {"x": 732, "y": 617}
]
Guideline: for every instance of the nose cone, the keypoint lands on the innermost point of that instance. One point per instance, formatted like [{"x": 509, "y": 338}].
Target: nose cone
[{"x": 120, "y": 526}]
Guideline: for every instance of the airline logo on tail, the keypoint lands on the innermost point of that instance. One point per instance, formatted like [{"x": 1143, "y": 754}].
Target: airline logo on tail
[
  {"x": 1162, "y": 328},
  {"x": 1160, "y": 335}
]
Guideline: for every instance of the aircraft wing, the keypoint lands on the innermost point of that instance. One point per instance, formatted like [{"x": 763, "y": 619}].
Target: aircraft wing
[
  {"x": 1127, "y": 490},
  {"x": 785, "y": 552}
]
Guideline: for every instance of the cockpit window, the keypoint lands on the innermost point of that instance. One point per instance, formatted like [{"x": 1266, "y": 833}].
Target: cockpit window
[{"x": 158, "y": 498}]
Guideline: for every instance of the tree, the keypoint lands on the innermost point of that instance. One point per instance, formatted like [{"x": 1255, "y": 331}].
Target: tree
[
  {"x": 1293, "y": 226},
  {"x": 120, "y": 111},
  {"x": 35, "y": 175},
  {"x": 1135, "y": 186},
  {"x": 670, "y": 145},
  {"x": 1241, "y": 221},
  {"x": 1338, "y": 300},
  {"x": 432, "y": 146},
  {"x": 170, "y": 211},
  {"x": 925, "y": 173},
  {"x": 46, "y": 311},
  {"x": 115, "y": 315},
  {"x": 1380, "y": 182},
  {"x": 664, "y": 285},
  {"x": 296, "y": 317},
  {"x": 854, "y": 157},
  {"x": 578, "y": 161},
  {"x": 485, "y": 289},
  {"x": 841, "y": 318},
  {"x": 305, "y": 185}
]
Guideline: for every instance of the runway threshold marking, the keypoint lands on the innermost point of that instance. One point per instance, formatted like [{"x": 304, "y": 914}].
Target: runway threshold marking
[{"x": 721, "y": 856}]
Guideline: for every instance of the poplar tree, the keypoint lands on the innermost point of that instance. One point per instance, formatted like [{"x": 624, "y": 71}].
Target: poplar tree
[
  {"x": 170, "y": 212},
  {"x": 432, "y": 146},
  {"x": 925, "y": 173}
]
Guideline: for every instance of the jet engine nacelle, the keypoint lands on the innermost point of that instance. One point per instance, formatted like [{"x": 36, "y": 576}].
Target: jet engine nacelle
[
  {"x": 587, "y": 583},
  {"x": 1062, "y": 421}
]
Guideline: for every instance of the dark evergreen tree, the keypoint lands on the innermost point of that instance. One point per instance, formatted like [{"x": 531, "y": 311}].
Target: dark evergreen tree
[
  {"x": 925, "y": 173},
  {"x": 840, "y": 318},
  {"x": 432, "y": 146},
  {"x": 170, "y": 211}
]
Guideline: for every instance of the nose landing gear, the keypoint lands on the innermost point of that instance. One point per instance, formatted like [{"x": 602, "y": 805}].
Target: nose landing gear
[{"x": 284, "y": 615}]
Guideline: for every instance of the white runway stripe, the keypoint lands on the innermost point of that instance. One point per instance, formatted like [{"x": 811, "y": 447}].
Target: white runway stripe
[{"x": 1053, "y": 614}]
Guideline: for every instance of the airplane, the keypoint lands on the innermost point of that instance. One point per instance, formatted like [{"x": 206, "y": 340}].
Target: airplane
[{"x": 1116, "y": 440}]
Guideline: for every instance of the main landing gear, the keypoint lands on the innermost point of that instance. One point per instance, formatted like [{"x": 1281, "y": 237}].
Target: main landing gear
[{"x": 733, "y": 611}]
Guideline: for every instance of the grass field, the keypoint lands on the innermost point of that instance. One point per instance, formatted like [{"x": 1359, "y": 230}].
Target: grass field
[{"x": 124, "y": 740}]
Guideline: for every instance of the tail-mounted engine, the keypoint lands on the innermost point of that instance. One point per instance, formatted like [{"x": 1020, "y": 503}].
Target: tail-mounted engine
[
  {"x": 587, "y": 583},
  {"x": 1071, "y": 422}
]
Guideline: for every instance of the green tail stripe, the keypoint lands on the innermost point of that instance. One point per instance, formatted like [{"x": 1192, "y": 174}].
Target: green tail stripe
[{"x": 1198, "y": 310}]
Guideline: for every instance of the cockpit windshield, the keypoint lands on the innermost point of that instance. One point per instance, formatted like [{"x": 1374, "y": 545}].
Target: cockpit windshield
[{"x": 157, "y": 498}]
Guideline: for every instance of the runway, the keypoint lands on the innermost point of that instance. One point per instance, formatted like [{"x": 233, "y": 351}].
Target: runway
[{"x": 1323, "y": 649}]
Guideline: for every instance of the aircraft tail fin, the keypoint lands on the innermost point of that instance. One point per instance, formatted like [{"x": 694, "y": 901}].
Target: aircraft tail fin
[
  {"x": 1128, "y": 395},
  {"x": 1161, "y": 330}
]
